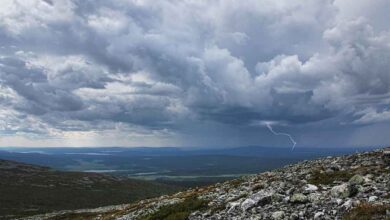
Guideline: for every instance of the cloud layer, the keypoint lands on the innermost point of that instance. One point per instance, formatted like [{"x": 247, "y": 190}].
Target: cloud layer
[{"x": 193, "y": 72}]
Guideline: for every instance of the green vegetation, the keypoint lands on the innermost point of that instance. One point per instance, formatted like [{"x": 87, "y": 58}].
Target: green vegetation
[
  {"x": 319, "y": 177},
  {"x": 367, "y": 211},
  {"x": 179, "y": 211},
  {"x": 236, "y": 182},
  {"x": 29, "y": 190},
  {"x": 75, "y": 216}
]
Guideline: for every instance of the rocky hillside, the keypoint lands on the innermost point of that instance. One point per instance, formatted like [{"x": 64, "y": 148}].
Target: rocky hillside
[{"x": 350, "y": 187}]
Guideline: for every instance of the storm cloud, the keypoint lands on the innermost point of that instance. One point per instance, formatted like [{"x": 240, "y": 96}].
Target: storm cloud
[{"x": 194, "y": 73}]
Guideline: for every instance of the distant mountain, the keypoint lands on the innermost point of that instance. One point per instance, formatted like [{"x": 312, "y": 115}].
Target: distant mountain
[
  {"x": 30, "y": 189},
  {"x": 181, "y": 151},
  {"x": 187, "y": 167}
]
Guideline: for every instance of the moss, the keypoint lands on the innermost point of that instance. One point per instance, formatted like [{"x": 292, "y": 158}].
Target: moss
[
  {"x": 367, "y": 211},
  {"x": 319, "y": 177},
  {"x": 218, "y": 208},
  {"x": 178, "y": 211},
  {"x": 236, "y": 182},
  {"x": 74, "y": 216}
]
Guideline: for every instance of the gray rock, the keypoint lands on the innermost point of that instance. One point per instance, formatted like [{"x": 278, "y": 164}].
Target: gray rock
[
  {"x": 338, "y": 201},
  {"x": 261, "y": 198},
  {"x": 232, "y": 206},
  {"x": 318, "y": 215},
  {"x": 278, "y": 215},
  {"x": 311, "y": 188},
  {"x": 344, "y": 191},
  {"x": 314, "y": 197},
  {"x": 277, "y": 197},
  {"x": 356, "y": 180},
  {"x": 298, "y": 198},
  {"x": 294, "y": 216},
  {"x": 372, "y": 198},
  {"x": 347, "y": 205}
]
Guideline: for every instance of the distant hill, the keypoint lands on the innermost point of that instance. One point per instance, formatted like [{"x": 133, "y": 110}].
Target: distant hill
[
  {"x": 30, "y": 189},
  {"x": 186, "y": 167}
]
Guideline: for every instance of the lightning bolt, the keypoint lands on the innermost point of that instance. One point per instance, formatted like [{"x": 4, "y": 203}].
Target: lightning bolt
[{"x": 268, "y": 124}]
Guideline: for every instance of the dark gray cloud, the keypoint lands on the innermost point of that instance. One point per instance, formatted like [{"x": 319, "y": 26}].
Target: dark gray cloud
[{"x": 175, "y": 69}]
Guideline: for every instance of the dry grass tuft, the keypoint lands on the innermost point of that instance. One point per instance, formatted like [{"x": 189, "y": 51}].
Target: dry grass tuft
[{"x": 367, "y": 211}]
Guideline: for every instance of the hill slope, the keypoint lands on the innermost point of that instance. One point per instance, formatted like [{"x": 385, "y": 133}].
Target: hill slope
[
  {"x": 348, "y": 187},
  {"x": 29, "y": 189}
]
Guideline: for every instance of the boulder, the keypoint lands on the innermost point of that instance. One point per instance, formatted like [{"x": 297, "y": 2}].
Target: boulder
[
  {"x": 278, "y": 215},
  {"x": 356, "y": 180},
  {"x": 372, "y": 198},
  {"x": 311, "y": 187},
  {"x": 298, "y": 198},
  {"x": 260, "y": 198},
  {"x": 344, "y": 191}
]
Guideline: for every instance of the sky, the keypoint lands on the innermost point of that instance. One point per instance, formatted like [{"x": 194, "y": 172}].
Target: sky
[{"x": 214, "y": 73}]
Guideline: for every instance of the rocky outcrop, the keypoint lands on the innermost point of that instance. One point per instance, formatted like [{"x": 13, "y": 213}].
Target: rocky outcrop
[{"x": 327, "y": 188}]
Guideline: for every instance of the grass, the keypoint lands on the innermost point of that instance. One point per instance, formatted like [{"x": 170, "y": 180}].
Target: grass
[
  {"x": 218, "y": 208},
  {"x": 328, "y": 178},
  {"x": 178, "y": 211},
  {"x": 367, "y": 211},
  {"x": 75, "y": 216},
  {"x": 236, "y": 182}
]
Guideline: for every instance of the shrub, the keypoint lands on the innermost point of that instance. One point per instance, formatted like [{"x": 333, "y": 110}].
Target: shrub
[
  {"x": 178, "y": 211},
  {"x": 328, "y": 178},
  {"x": 367, "y": 211}
]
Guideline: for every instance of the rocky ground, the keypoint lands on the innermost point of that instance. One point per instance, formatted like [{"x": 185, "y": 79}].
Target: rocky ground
[{"x": 350, "y": 187}]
